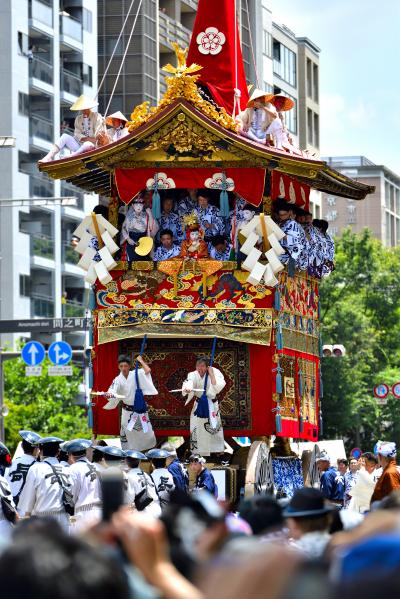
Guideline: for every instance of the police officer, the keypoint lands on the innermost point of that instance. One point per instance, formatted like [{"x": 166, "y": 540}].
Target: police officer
[
  {"x": 162, "y": 478},
  {"x": 98, "y": 456},
  {"x": 177, "y": 469},
  {"x": 85, "y": 484},
  {"x": 141, "y": 488},
  {"x": 113, "y": 456},
  {"x": 18, "y": 471},
  {"x": 6, "y": 517},
  {"x": 48, "y": 485}
]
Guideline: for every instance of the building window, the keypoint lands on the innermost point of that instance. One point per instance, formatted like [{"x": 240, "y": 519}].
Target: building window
[
  {"x": 23, "y": 44},
  {"x": 331, "y": 215},
  {"x": 87, "y": 74},
  {"x": 23, "y": 104},
  {"x": 351, "y": 219},
  {"x": 290, "y": 117},
  {"x": 309, "y": 126},
  {"x": 284, "y": 63},
  {"x": 309, "y": 78},
  {"x": 24, "y": 285},
  {"x": 316, "y": 130},
  {"x": 315, "y": 83},
  {"x": 333, "y": 231},
  {"x": 351, "y": 208},
  {"x": 87, "y": 20},
  {"x": 331, "y": 201}
]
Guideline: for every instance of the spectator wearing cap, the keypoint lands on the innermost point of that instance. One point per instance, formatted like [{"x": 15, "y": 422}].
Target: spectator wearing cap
[
  {"x": 177, "y": 469},
  {"x": 5, "y": 495},
  {"x": 161, "y": 476},
  {"x": 18, "y": 471},
  {"x": 390, "y": 478},
  {"x": 308, "y": 519},
  {"x": 85, "y": 484},
  {"x": 46, "y": 483},
  {"x": 331, "y": 482},
  {"x": 204, "y": 478},
  {"x": 141, "y": 493}
]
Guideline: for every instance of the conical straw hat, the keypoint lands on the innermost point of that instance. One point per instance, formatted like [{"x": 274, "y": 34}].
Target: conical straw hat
[
  {"x": 258, "y": 94},
  {"x": 83, "y": 103},
  {"x": 116, "y": 115}
]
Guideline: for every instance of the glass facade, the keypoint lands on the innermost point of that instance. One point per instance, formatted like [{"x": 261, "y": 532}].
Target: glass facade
[{"x": 285, "y": 63}]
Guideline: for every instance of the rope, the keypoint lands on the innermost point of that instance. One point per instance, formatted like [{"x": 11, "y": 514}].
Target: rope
[
  {"x": 251, "y": 44},
  {"x": 236, "y": 91},
  {"x": 124, "y": 56},
  {"x": 115, "y": 49}
]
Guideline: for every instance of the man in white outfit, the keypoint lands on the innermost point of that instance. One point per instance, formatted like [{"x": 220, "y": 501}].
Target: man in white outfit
[
  {"x": 42, "y": 494},
  {"x": 85, "y": 485},
  {"x": 18, "y": 471},
  {"x": 90, "y": 130},
  {"x": 161, "y": 476},
  {"x": 362, "y": 491},
  {"x": 206, "y": 435},
  {"x": 141, "y": 488},
  {"x": 135, "y": 427}
]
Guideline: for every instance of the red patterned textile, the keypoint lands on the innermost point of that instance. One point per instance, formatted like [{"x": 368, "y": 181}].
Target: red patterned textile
[
  {"x": 247, "y": 182},
  {"x": 290, "y": 189},
  {"x": 215, "y": 45}
]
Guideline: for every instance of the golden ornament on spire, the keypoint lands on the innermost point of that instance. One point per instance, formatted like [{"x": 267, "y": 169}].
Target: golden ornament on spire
[{"x": 182, "y": 85}]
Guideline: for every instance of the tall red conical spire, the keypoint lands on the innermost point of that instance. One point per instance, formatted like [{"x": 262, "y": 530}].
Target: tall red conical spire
[{"x": 215, "y": 45}]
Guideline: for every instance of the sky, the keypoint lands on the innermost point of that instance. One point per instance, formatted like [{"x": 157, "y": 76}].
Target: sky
[{"x": 359, "y": 73}]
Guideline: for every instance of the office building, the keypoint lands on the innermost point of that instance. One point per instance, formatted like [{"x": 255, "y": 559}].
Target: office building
[
  {"x": 48, "y": 58},
  {"x": 380, "y": 211}
]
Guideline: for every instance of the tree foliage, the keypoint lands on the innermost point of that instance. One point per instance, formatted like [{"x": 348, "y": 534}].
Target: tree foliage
[
  {"x": 44, "y": 404},
  {"x": 360, "y": 309}
]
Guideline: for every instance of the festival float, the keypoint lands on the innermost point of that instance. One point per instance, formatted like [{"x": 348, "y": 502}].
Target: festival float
[{"x": 263, "y": 314}]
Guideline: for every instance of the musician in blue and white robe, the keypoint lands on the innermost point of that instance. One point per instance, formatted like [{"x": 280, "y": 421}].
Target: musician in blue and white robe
[
  {"x": 315, "y": 245},
  {"x": 187, "y": 204},
  {"x": 167, "y": 249},
  {"x": 170, "y": 220},
  {"x": 219, "y": 248},
  {"x": 209, "y": 217},
  {"x": 328, "y": 248},
  {"x": 206, "y": 436},
  {"x": 136, "y": 429},
  {"x": 295, "y": 242}
]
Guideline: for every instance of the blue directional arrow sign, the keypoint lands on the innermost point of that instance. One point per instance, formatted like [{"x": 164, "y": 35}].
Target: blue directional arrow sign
[
  {"x": 33, "y": 353},
  {"x": 60, "y": 353}
]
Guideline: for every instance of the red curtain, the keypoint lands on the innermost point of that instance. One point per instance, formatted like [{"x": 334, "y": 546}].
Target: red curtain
[
  {"x": 290, "y": 189},
  {"x": 247, "y": 182}
]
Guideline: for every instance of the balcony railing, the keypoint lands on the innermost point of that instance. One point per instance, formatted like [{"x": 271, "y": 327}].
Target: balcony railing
[
  {"x": 42, "y": 246},
  {"x": 40, "y": 69},
  {"x": 74, "y": 310},
  {"x": 41, "y": 127},
  {"x": 171, "y": 30},
  {"x": 71, "y": 83},
  {"x": 71, "y": 27},
  {"x": 192, "y": 3},
  {"x": 42, "y": 305},
  {"x": 39, "y": 187},
  {"x": 69, "y": 255},
  {"x": 70, "y": 191},
  {"x": 41, "y": 12}
]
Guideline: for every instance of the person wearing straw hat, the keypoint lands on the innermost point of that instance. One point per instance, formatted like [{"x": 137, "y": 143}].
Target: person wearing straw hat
[
  {"x": 256, "y": 118},
  {"x": 89, "y": 127},
  {"x": 117, "y": 122}
]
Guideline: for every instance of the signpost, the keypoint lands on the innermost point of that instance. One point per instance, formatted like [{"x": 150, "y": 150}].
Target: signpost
[
  {"x": 33, "y": 354},
  {"x": 45, "y": 325},
  {"x": 60, "y": 353}
]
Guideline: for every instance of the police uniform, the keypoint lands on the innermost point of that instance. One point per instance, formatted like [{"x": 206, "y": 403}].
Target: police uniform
[
  {"x": 179, "y": 475},
  {"x": 5, "y": 492},
  {"x": 137, "y": 482},
  {"x": 162, "y": 478},
  {"x": 18, "y": 471},
  {"x": 42, "y": 494},
  {"x": 85, "y": 486}
]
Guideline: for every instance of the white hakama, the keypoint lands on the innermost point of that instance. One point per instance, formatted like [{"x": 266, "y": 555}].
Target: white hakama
[
  {"x": 206, "y": 436},
  {"x": 136, "y": 430}
]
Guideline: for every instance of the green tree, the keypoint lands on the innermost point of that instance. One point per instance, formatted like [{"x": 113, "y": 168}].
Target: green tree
[
  {"x": 360, "y": 308},
  {"x": 44, "y": 403}
]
